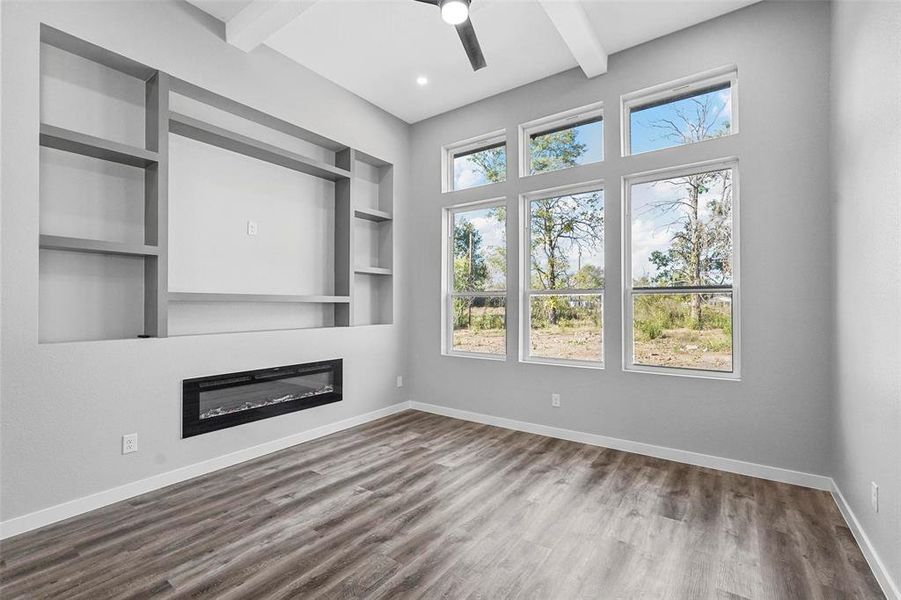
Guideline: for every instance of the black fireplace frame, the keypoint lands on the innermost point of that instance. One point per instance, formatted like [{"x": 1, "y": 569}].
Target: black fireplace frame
[{"x": 192, "y": 424}]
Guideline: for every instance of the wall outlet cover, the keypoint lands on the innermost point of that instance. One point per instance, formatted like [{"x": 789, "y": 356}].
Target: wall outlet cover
[
  {"x": 874, "y": 496},
  {"x": 555, "y": 400},
  {"x": 129, "y": 443},
  {"x": 252, "y": 228},
  {"x": 400, "y": 381}
]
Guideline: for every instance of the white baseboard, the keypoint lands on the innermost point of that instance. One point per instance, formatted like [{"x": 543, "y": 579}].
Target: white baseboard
[
  {"x": 889, "y": 586},
  {"x": 79, "y": 506},
  {"x": 818, "y": 482}
]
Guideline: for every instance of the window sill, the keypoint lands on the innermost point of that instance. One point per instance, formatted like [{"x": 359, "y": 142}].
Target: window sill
[
  {"x": 473, "y": 187},
  {"x": 475, "y": 355},
  {"x": 578, "y": 364},
  {"x": 689, "y": 373}
]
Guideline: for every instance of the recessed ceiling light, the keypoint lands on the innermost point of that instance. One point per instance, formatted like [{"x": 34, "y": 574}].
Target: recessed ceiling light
[{"x": 422, "y": 80}]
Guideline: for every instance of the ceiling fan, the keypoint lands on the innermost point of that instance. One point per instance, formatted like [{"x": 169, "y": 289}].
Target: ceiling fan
[{"x": 456, "y": 13}]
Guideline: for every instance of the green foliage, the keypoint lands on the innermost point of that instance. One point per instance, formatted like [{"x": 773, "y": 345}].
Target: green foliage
[
  {"x": 565, "y": 312},
  {"x": 553, "y": 151},
  {"x": 654, "y": 315},
  {"x": 588, "y": 277},
  {"x": 492, "y": 163},
  {"x": 470, "y": 267}
]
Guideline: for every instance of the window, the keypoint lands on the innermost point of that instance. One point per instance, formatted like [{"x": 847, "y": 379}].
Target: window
[
  {"x": 475, "y": 162},
  {"x": 563, "y": 275},
  {"x": 682, "y": 112},
  {"x": 476, "y": 280},
  {"x": 681, "y": 271},
  {"x": 562, "y": 141}
]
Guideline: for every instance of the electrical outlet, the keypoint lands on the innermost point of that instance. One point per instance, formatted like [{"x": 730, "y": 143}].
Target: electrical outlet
[
  {"x": 555, "y": 400},
  {"x": 874, "y": 496},
  {"x": 252, "y": 228},
  {"x": 129, "y": 443},
  {"x": 400, "y": 381}
]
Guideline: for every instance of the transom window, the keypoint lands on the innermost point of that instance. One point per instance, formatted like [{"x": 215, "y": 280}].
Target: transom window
[
  {"x": 475, "y": 162},
  {"x": 682, "y": 112},
  {"x": 561, "y": 141},
  {"x": 563, "y": 275},
  {"x": 681, "y": 270},
  {"x": 476, "y": 279}
]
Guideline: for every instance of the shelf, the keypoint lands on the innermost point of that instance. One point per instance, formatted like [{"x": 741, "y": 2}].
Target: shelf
[
  {"x": 95, "y": 147},
  {"x": 371, "y": 214},
  {"x": 222, "y": 138},
  {"x": 283, "y": 298},
  {"x": 372, "y": 270},
  {"x": 56, "y": 242}
]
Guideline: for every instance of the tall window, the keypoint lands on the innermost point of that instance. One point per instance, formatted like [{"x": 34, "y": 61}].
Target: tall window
[
  {"x": 475, "y": 162},
  {"x": 563, "y": 276},
  {"x": 476, "y": 272},
  {"x": 682, "y": 112},
  {"x": 569, "y": 139},
  {"x": 681, "y": 280}
]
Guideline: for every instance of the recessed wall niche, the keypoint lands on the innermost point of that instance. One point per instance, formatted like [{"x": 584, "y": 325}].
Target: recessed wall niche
[{"x": 149, "y": 188}]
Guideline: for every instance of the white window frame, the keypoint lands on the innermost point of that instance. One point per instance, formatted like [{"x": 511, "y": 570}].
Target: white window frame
[
  {"x": 628, "y": 364},
  {"x": 449, "y": 151},
  {"x": 447, "y": 292},
  {"x": 575, "y": 115},
  {"x": 525, "y": 278},
  {"x": 679, "y": 87}
]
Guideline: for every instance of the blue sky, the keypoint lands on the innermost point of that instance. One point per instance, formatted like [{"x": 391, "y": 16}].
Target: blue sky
[{"x": 646, "y": 137}]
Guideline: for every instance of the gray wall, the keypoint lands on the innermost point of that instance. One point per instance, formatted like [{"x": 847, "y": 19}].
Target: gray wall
[
  {"x": 65, "y": 405},
  {"x": 866, "y": 118},
  {"x": 779, "y": 413}
]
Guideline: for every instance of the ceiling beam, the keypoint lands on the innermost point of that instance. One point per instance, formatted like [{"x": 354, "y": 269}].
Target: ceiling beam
[
  {"x": 261, "y": 19},
  {"x": 574, "y": 27}
]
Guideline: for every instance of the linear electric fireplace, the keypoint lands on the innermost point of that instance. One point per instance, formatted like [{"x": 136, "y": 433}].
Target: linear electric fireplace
[{"x": 220, "y": 401}]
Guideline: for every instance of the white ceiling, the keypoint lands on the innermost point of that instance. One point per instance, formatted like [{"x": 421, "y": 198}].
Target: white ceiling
[{"x": 377, "y": 48}]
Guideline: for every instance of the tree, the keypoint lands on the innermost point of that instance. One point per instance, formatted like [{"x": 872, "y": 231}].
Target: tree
[
  {"x": 700, "y": 250},
  {"x": 559, "y": 225},
  {"x": 470, "y": 267},
  {"x": 492, "y": 163},
  {"x": 553, "y": 151}
]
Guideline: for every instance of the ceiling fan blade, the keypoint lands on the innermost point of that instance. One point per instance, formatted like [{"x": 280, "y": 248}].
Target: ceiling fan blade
[
  {"x": 471, "y": 44},
  {"x": 432, "y": 2}
]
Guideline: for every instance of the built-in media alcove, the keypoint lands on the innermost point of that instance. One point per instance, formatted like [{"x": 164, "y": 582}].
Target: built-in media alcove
[{"x": 167, "y": 209}]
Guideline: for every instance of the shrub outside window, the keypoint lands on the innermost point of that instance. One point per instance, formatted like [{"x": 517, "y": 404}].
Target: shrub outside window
[
  {"x": 476, "y": 280},
  {"x": 563, "y": 275},
  {"x": 681, "y": 271}
]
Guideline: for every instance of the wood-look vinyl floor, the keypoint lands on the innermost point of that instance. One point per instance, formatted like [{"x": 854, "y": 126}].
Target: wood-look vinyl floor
[{"x": 421, "y": 506}]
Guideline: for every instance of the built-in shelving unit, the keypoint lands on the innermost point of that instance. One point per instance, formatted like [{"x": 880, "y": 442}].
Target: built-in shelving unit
[
  {"x": 358, "y": 290},
  {"x": 62, "y": 297},
  {"x": 374, "y": 240}
]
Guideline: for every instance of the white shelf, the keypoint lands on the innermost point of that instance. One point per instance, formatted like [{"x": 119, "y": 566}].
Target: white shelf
[
  {"x": 371, "y": 214},
  {"x": 282, "y": 298},
  {"x": 372, "y": 270},
  {"x": 71, "y": 244}
]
